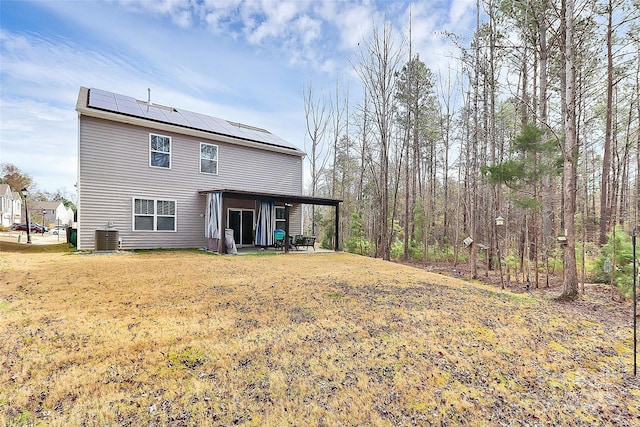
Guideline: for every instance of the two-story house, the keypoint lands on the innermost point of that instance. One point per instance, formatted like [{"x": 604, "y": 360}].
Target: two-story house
[
  {"x": 10, "y": 206},
  {"x": 165, "y": 177},
  {"x": 51, "y": 213}
]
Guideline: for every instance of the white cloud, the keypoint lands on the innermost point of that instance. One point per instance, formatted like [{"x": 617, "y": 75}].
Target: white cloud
[
  {"x": 459, "y": 12},
  {"x": 182, "y": 19},
  {"x": 222, "y": 16},
  {"x": 354, "y": 24},
  {"x": 163, "y": 6},
  {"x": 308, "y": 28},
  {"x": 428, "y": 39},
  {"x": 273, "y": 20}
]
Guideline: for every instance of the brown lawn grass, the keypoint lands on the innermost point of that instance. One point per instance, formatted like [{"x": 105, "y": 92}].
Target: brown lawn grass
[{"x": 188, "y": 338}]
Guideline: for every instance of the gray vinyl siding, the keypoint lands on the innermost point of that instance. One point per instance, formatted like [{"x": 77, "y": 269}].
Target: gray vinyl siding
[
  {"x": 114, "y": 169},
  {"x": 295, "y": 220}
]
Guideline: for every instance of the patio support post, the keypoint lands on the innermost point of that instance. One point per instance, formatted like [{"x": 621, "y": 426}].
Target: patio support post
[
  {"x": 286, "y": 227},
  {"x": 222, "y": 241},
  {"x": 25, "y": 192},
  {"x": 337, "y": 226}
]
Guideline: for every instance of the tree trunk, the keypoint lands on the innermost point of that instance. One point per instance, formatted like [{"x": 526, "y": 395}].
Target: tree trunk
[
  {"x": 474, "y": 151},
  {"x": 605, "y": 184},
  {"x": 570, "y": 282},
  {"x": 637, "y": 207}
]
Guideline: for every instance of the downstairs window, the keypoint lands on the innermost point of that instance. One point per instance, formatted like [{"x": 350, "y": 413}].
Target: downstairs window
[{"x": 154, "y": 215}]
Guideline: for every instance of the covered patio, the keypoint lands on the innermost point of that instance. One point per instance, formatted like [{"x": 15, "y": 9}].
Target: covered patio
[
  {"x": 256, "y": 250},
  {"x": 266, "y": 217}
]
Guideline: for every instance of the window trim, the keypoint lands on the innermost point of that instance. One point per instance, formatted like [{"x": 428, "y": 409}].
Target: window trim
[
  {"x": 155, "y": 214},
  {"x": 217, "y": 158},
  {"x": 279, "y": 220},
  {"x": 151, "y": 151}
]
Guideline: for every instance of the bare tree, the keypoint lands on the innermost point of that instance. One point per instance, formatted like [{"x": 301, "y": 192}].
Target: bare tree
[
  {"x": 417, "y": 115},
  {"x": 377, "y": 62},
  {"x": 337, "y": 127},
  {"x": 605, "y": 183},
  {"x": 317, "y": 118}
]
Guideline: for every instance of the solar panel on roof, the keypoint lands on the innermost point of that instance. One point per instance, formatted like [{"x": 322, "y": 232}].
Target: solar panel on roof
[
  {"x": 193, "y": 118},
  {"x": 96, "y": 95},
  {"x": 127, "y": 105},
  {"x": 102, "y": 100},
  {"x": 154, "y": 113},
  {"x": 209, "y": 123},
  {"x": 121, "y": 98},
  {"x": 272, "y": 138},
  {"x": 176, "y": 117},
  {"x": 102, "y": 104}
]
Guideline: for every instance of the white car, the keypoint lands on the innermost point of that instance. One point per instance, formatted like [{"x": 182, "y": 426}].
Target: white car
[{"x": 58, "y": 229}]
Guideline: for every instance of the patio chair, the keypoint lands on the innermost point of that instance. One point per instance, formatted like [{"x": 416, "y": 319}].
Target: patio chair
[
  {"x": 310, "y": 241},
  {"x": 278, "y": 238},
  {"x": 297, "y": 240},
  {"x": 300, "y": 240}
]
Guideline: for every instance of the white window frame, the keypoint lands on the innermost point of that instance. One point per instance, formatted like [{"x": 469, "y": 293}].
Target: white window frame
[
  {"x": 216, "y": 160},
  {"x": 151, "y": 151},
  {"x": 155, "y": 214},
  {"x": 280, "y": 222}
]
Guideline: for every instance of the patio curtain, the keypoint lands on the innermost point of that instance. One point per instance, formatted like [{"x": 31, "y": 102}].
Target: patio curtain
[
  {"x": 266, "y": 224},
  {"x": 213, "y": 220}
]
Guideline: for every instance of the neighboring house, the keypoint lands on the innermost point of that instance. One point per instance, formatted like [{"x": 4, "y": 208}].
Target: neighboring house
[
  {"x": 170, "y": 178},
  {"x": 7, "y": 206},
  {"x": 16, "y": 208},
  {"x": 51, "y": 213},
  {"x": 71, "y": 216}
]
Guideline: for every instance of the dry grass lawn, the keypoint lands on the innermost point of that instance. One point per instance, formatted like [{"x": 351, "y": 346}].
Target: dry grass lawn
[{"x": 187, "y": 338}]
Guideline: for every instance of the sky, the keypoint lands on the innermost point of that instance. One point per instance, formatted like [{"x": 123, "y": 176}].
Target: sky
[{"x": 246, "y": 61}]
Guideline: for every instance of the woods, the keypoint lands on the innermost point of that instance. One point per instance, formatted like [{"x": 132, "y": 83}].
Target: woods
[{"x": 535, "y": 120}]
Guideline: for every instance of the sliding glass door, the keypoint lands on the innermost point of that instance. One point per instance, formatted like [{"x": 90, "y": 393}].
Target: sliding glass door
[{"x": 241, "y": 221}]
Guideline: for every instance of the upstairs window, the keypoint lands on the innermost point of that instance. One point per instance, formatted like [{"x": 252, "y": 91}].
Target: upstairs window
[
  {"x": 154, "y": 215},
  {"x": 209, "y": 158},
  {"x": 160, "y": 151}
]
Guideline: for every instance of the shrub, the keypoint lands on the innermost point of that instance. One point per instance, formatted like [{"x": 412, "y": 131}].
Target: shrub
[
  {"x": 357, "y": 243},
  {"x": 556, "y": 263},
  {"x": 623, "y": 275},
  {"x": 397, "y": 249},
  {"x": 415, "y": 250},
  {"x": 444, "y": 253},
  {"x": 512, "y": 262}
]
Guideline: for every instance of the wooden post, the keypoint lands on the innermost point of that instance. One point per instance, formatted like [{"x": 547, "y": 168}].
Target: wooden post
[
  {"x": 286, "y": 227},
  {"x": 337, "y": 234}
]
